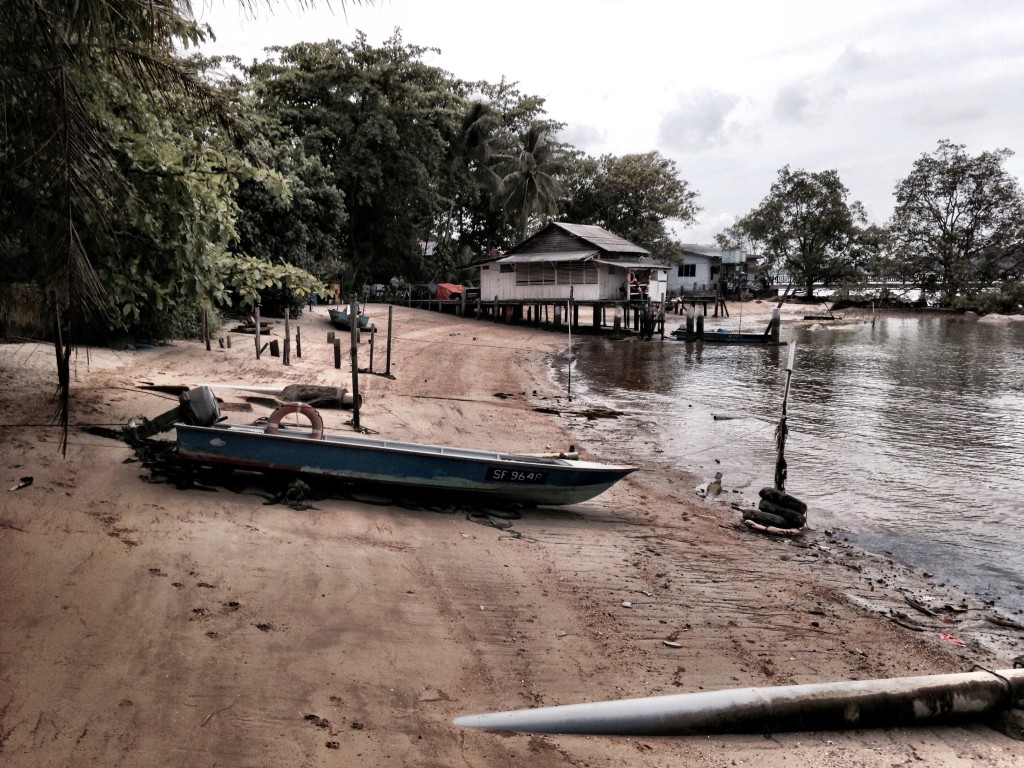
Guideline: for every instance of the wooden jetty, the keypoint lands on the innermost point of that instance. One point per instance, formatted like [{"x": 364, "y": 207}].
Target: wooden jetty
[{"x": 625, "y": 317}]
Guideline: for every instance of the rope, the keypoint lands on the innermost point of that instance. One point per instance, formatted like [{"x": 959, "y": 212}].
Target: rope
[
  {"x": 1007, "y": 683},
  {"x": 495, "y": 519}
]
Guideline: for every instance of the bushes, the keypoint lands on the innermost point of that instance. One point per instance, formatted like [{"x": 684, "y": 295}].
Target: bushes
[{"x": 1006, "y": 298}]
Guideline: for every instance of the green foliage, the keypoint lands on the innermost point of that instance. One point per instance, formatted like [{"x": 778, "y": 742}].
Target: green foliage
[
  {"x": 806, "y": 224},
  {"x": 377, "y": 119},
  {"x": 958, "y": 222},
  {"x": 633, "y": 196},
  {"x": 1005, "y": 297},
  {"x": 65, "y": 68},
  {"x": 481, "y": 151},
  {"x": 305, "y": 227},
  {"x": 186, "y": 322},
  {"x": 529, "y": 185},
  {"x": 248, "y": 279}
]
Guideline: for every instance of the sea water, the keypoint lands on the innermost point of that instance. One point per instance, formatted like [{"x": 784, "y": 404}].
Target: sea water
[{"x": 906, "y": 432}]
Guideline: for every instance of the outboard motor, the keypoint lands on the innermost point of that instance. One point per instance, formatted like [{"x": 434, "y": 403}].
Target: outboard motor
[{"x": 196, "y": 406}]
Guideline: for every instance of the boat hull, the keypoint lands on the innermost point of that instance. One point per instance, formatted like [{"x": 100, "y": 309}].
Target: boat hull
[
  {"x": 339, "y": 319},
  {"x": 408, "y": 467},
  {"x": 716, "y": 337}
]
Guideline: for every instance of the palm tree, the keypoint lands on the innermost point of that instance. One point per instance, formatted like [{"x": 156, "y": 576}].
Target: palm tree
[
  {"x": 471, "y": 154},
  {"x": 529, "y": 186},
  {"x": 60, "y": 179}
]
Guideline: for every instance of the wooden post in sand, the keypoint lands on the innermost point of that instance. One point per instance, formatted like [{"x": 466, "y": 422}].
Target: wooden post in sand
[
  {"x": 206, "y": 329},
  {"x": 387, "y": 366},
  {"x": 782, "y": 430},
  {"x": 257, "y": 334},
  {"x": 298, "y": 341},
  {"x": 286, "y": 359},
  {"x": 373, "y": 335},
  {"x": 353, "y": 322}
]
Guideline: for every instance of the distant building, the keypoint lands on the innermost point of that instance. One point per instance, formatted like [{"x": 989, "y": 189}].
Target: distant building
[
  {"x": 592, "y": 262},
  {"x": 702, "y": 267}
]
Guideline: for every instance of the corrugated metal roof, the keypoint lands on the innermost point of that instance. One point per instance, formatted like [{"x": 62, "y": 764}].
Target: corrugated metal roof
[
  {"x": 702, "y": 250},
  {"x": 601, "y": 238},
  {"x": 589, "y": 234},
  {"x": 632, "y": 264},
  {"x": 527, "y": 258}
]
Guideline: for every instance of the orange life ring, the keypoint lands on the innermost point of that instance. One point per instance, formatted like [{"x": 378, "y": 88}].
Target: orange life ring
[
  {"x": 307, "y": 410},
  {"x": 630, "y": 278}
]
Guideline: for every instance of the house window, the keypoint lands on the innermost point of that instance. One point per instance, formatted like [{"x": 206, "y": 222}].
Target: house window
[
  {"x": 506, "y": 268},
  {"x": 687, "y": 270},
  {"x": 577, "y": 274},
  {"x": 557, "y": 274}
]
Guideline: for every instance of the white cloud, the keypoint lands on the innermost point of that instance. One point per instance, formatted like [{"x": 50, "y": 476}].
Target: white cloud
[
  {"x": 589, "y": 138},
  {"x": 700, "y": 119},
  {"x": 732, "y": 91}
]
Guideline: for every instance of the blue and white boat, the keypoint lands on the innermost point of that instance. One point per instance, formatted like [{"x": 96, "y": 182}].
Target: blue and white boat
[
  {"x": 340, "y": 319},
  {"x": 403, "y": 467}
]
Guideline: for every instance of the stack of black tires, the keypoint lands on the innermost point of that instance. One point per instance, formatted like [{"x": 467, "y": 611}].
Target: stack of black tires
[{"x": 777, "y": 509}]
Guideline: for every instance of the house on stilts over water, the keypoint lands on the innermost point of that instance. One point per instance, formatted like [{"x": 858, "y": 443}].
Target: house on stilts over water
[{"x": 584, "y": 263}]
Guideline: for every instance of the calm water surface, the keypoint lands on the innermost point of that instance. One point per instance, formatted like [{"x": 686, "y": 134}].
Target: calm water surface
[{"x": 908, "y": 433}]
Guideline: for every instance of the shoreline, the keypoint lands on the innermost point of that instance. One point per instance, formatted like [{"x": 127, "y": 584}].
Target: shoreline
[{"x": 142, "y": 620}]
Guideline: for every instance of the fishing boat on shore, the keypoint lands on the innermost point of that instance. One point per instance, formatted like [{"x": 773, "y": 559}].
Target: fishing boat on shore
[
  {"x": 340, "y": 319},
  {"x": 408, "y": 467}
]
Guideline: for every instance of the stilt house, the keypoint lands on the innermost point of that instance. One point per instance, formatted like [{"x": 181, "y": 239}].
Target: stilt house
[{"x": 595, "y": 264}]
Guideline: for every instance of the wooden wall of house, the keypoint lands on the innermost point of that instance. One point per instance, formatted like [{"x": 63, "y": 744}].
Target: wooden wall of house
[{"x": 494, "y": 282}]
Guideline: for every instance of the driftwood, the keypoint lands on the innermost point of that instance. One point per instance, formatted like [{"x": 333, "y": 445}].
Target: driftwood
[
  {"x": 590, "y": 413},
  {"x": 313, "y": 394},
  {"x": 317, "y": 396}
]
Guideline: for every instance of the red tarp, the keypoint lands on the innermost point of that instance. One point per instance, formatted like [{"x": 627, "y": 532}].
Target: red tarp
[{"x": 447, "y": 291}]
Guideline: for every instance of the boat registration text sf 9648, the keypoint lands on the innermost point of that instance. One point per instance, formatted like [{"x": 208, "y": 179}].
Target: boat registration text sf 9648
[{"x": 502, "y": 475}]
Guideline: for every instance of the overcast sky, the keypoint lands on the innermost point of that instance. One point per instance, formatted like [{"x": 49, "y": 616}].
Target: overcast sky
[{"x": 731, "y": 90}]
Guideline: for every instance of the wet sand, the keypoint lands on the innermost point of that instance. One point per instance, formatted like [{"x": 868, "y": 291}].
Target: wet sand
[{"x": 145, "y": 625}]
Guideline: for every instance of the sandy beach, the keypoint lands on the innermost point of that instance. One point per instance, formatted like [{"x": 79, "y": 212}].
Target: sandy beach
[{"x": 146, "y": 625}]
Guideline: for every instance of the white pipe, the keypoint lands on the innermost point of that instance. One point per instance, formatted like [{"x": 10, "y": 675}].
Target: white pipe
[{"x": 818, "y": 706}]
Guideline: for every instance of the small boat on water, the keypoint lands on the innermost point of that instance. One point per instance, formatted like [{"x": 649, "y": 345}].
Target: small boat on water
[
  {"x": 356, "y": 459},
  {"x": 340, "y": 319},
  {"x": 728, "y": 337}
]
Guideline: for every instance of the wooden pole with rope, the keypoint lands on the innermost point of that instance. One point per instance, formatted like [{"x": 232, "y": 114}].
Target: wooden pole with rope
[
  {"x": 353, "y": 322},
  {"x": 569, "y": 312},
  {"x": 782, "y": 430},
  {"x": 779, "y": 513}
]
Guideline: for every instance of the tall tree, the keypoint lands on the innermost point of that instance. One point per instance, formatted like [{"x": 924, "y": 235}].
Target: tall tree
[
  {"x": 80, "y": 183},
  {"x": 59, "y": 179},
  {"x": 472, "y": 149},
  {"x": 495, "y": 118},
  {"x": 529, "y": 186},
  {"x": 806, "y": 224},
  {"x": 959, "y": 221},
  {"x": 634, "y": 196},
  {"x": 378, "y": 120}
]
